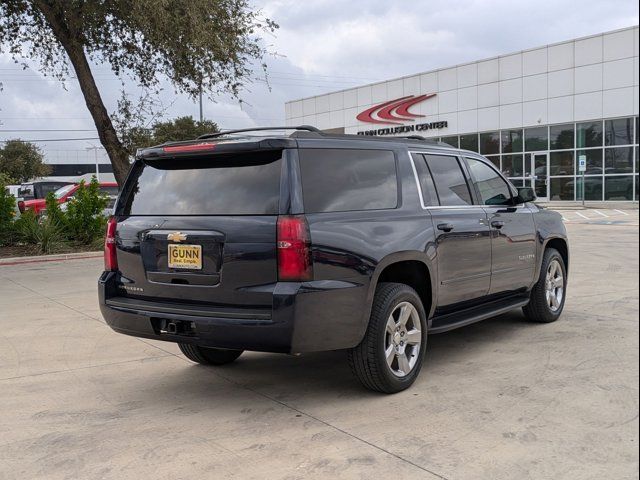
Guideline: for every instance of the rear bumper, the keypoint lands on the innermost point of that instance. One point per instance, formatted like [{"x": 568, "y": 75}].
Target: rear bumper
[{"x": 308, "y": 316}]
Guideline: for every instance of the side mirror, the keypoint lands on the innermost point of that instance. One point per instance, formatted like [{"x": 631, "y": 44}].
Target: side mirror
[{"x": 526, "y": 194}]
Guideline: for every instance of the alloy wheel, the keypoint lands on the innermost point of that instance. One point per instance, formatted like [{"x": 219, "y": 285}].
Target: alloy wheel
[{"x": 402, "y": 339}]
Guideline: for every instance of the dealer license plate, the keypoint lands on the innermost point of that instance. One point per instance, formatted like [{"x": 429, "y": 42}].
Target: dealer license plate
[{"x": 185, "y": 256}]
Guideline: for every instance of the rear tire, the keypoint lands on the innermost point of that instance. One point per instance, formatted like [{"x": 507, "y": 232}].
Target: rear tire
[
  {"x": 208, "y": 356},
  {"x": 549, "y": 293},
  {"x": 390, "y": 356}
]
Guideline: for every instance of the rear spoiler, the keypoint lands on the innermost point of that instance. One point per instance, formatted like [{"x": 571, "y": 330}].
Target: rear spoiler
[
  {"x": 212, "y": 143},
  {"x": 206, "y": 148}
]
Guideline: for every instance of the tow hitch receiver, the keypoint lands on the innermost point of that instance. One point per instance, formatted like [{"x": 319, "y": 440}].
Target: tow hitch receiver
[{"x": 176, "y": 327}]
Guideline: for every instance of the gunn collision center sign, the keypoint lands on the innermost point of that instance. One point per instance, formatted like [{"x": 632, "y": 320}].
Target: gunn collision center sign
[{"x": 396, "y": 112}]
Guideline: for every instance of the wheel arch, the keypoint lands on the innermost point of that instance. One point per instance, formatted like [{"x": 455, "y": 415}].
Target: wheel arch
[
  {"x": 561, "y": 245},
  {"x": 411, "y": 268}
]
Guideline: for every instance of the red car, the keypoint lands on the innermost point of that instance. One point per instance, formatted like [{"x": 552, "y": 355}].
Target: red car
[{"x": 64, "y": 194}]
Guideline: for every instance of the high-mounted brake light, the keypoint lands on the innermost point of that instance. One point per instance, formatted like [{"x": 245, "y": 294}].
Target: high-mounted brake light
[
  {"x": 110, "y": 258},
  {"x": 294, "y": 249},
  {"x": 196, "y": 147}
]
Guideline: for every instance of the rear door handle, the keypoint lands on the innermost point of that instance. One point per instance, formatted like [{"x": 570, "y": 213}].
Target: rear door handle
[
  {"x": 445, "y": 227},
  {"x": 497, "y": 224}
]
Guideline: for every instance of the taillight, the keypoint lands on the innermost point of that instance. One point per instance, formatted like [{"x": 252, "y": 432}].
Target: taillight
[
  {"x": 197, "y": 147},
  {"x": 110, "y": 259},
  {"x": 294, "y": 249},
  {"x": 21, "y": 206}
]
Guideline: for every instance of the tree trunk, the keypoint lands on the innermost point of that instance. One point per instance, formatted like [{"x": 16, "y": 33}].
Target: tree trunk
[{"x": 69, "y": 40}]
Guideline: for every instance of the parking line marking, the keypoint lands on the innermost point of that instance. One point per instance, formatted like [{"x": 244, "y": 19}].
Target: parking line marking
[
  {"x": 583, "y": 216},
  {"x": 600, "y": 213},
  {"x": 620, "y": 211}
]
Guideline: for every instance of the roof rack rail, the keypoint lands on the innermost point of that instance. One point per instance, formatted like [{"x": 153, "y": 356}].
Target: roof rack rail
[
  {"x": 308, "y": 128},
  {"x": 414, "y": 137}
]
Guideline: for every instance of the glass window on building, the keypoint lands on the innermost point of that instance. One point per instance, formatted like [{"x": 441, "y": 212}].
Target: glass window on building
[
  {"x": 453, "y": 141},
  {"x": 561, "y": 137},
  {"x": 618, "y": 131},
  {"x": 536, "y": 139},
  {"x": 561, "y": 163},
  {"x": 511, "y": 141},
  {"x": 589, "y": 134},
  {"x": 489, "y": 143},
  {"x": 618, "y": 160},
  {"x": 512, "y": 165},
  {"x": 495, "y": 159},
  {"x": 592, "y": 188},
  {"x": 469, "y": 142},
  {"x": 594, "y": 161},
  {"x": 562, "y": 188},
  {"x": 618, "y": 187}
]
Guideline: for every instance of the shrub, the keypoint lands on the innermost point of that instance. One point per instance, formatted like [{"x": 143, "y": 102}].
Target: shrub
[
  {"x": 84, "y": 219},
  {"x": 54, "y": 212},
  {"x": 7, "y": 213},
  {"x": 44, "y": 234}
]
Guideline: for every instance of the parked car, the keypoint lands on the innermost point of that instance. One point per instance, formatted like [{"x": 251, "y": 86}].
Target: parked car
[
  {"x": 38, "y": 189},
  {"x": 64, "y": 194},
  {"x": 14, "y": 191},
  {"x": 315, "y": 242}
]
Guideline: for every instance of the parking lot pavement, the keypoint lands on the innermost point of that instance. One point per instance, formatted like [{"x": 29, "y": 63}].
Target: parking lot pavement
[
  {"x": 499, "y": 399},
  {"x": 603, "y": 216}
]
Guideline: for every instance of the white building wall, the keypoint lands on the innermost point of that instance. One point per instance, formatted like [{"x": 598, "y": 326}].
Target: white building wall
[{"x": 582, "y": 79}]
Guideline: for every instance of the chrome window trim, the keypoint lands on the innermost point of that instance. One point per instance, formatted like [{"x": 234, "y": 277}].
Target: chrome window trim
[{"x": 458, "y": 157}]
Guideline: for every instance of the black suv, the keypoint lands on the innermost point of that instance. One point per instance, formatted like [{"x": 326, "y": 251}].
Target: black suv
[{"x": 315, "y": 241}]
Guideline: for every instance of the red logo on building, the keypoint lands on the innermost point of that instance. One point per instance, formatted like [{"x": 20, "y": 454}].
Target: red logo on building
[{"x": 394, "y": 111}]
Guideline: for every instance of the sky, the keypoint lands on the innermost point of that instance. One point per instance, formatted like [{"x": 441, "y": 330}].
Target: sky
[{"x": 321, "y": 46}]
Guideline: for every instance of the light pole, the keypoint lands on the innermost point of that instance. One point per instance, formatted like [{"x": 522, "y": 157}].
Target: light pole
[{"x": 95, "y": 156}]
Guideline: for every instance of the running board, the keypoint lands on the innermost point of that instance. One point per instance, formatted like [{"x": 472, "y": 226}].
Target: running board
[{"x": 450, "y": 321}]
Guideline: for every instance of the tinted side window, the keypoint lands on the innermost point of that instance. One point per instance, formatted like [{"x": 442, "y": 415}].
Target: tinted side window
[
  {"x": 344, "y": 180},
  {"x": 450, "y": 183},
  {"x": 492, "y": 188},
  {"x": 427, "y": 188}
]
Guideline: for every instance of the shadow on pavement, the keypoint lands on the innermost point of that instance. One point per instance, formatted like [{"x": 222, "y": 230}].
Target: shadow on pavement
[{"x": 326, "y": 375}]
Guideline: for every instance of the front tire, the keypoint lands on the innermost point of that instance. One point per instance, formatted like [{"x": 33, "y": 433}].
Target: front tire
[
  {"x": 390, "y": 356},
  {"x": 549, "y": 293},
  {"x": 208, "y": 356}
]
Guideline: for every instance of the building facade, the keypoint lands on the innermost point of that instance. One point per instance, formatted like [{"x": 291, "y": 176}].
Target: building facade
[{"x": 562, "y": 118}]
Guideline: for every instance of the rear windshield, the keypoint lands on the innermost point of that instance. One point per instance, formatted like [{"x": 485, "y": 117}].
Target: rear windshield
[
  {"x": 247, "y": 184},
  {"x": 346, "y": 180}
]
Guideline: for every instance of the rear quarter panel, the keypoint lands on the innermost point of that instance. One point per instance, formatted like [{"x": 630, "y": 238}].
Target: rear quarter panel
[{"x": 355, "y": 247}]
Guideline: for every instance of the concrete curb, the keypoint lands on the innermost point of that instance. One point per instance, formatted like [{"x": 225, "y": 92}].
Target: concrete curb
[{"x": 49, "y": 258}]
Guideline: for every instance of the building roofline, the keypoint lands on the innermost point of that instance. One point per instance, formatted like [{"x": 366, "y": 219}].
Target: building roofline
[{"x": 495, "y": 57}]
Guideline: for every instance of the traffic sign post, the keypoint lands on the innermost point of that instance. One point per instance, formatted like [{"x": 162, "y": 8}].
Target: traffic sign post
[{"x": 582, "y": 168}]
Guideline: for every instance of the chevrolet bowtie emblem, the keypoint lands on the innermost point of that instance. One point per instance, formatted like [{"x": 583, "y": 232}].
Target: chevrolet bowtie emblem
[{"x": 177, "y": 237}]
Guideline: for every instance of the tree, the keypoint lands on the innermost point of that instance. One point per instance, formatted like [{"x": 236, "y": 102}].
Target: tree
[
  {"x": 131, "y": 119},
  {"x": 199, "y": 45},
  {"x": 21, "y": 161},
  {"x": 182, "y": 128}
]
